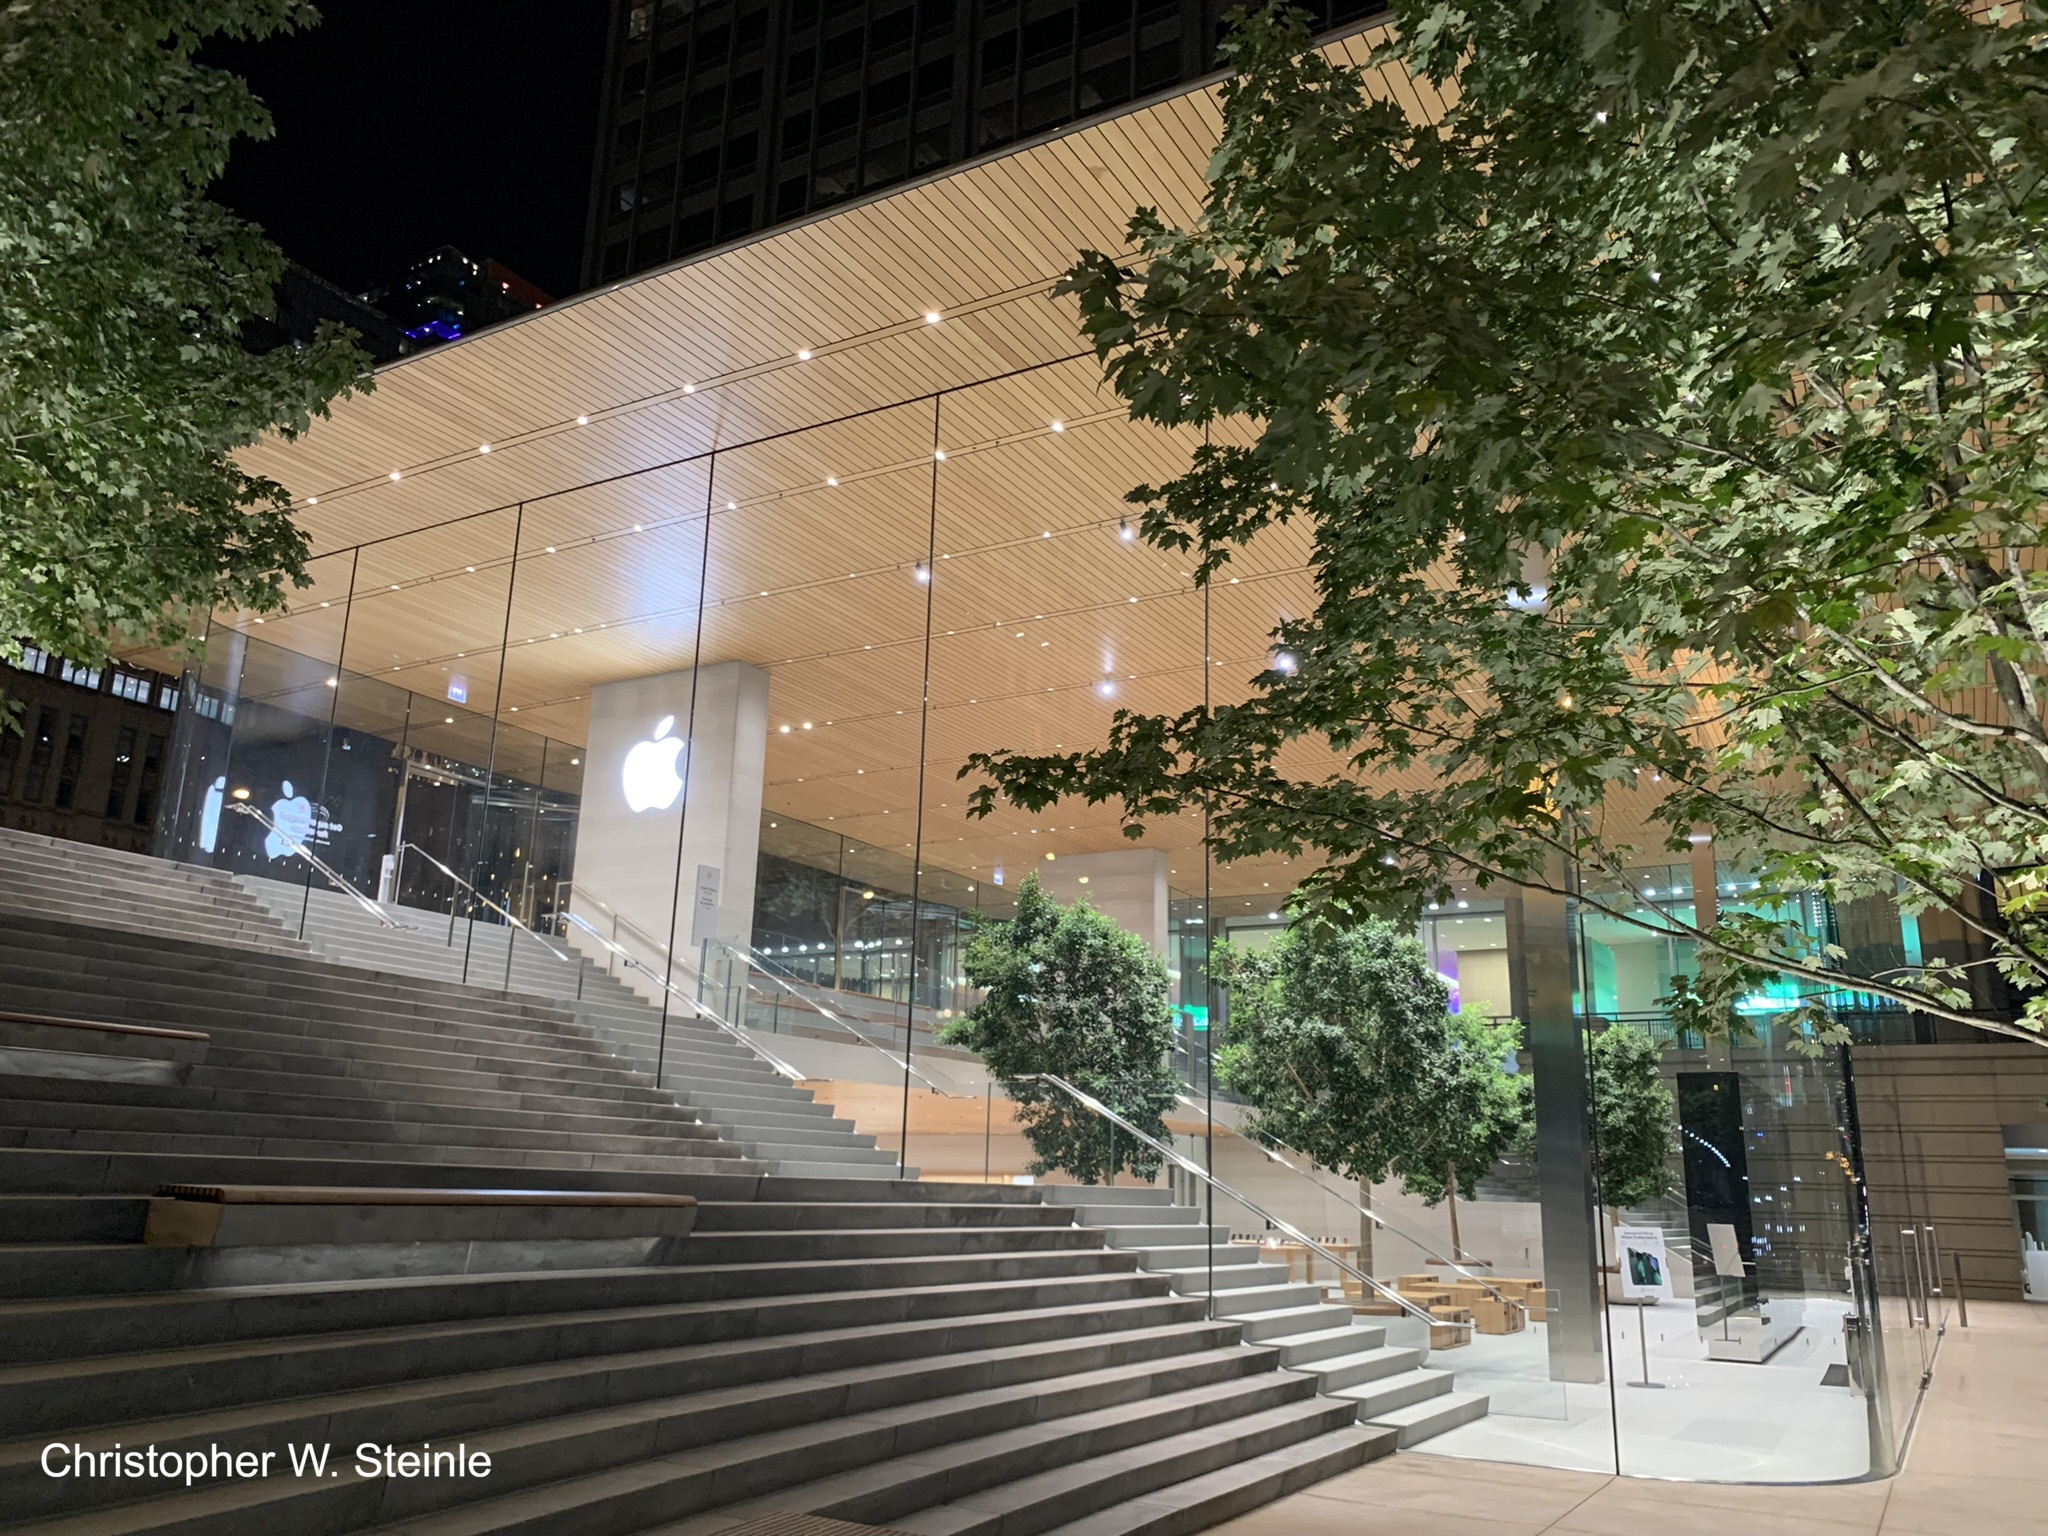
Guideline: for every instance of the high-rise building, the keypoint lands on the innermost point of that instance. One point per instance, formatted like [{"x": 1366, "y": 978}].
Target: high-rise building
[
  {"x": 722, "y": 117},
  {"x": 445, "y": 295}
]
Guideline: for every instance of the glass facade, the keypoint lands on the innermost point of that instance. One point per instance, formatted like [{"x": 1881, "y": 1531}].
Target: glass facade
[{"x": 712, "y": 717}]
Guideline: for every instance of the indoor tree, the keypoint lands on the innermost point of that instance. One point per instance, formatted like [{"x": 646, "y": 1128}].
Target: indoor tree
[
  {"x": 1342, "y": 1040},
  {"x": 1635, "y": 1127},
  {"x": 124, "y": 386},
  {"x": 1667, "y": 419},
  {"x": 1072, "y": 995}
]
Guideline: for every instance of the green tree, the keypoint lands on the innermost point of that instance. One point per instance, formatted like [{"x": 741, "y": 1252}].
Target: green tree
[
  {"x": 1073, "y": 995},
  {"x": 124, "y": 387},
  {"x": 1633, "y": 1116},
  {"x": 1343, "y": 1042},
  {"x": 1667, "y": 421}
]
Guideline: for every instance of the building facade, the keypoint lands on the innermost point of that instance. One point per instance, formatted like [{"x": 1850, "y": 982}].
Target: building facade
[
  {"x": 87, "y": 761},
  {"x": 727, "y": 117}
]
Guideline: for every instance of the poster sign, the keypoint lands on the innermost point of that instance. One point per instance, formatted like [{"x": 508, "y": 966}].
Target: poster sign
[
  {"x": 1645, "y": 1269},
  {"x": 704, "y": 911}
]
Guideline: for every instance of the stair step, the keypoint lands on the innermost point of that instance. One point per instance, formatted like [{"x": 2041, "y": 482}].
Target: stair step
[
  {"x": 1432, "y": 1416},
  {"x": 1213, "y": 1497}
]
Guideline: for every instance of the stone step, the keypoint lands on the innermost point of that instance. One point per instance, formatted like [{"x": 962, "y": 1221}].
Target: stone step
[
  {"x": 1117, "y": 1194},
  {"x": 1368, "y": 1368},
  {"x": 785, "y": 1216},
  {"x": 1303, "y": 1351},
  {"x": 99, "y": 1172},
  {"x": 80, "y": 1117},
  {"x": 72, "y": 1218},
  {"x": 781, "y": 1467},
  {"x": 816, "y": 1152},
  {"x": 1284, "y": 1322},
  {"x": 849, "y": 1370},
  {"x": 803, "y": 1247},
  {"x": 53, "y": 1330},
  {"x": 1432, "y": 1416},
  {"x": 1214, "y": 1497},
  {"x": 1382, "y": 1395},
  {"x": 1070, "y": 1467},
  {"x": 755, "y": 1337}
]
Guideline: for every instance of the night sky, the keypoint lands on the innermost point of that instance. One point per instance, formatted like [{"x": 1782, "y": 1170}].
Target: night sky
[{"x": 403, "y": 125}]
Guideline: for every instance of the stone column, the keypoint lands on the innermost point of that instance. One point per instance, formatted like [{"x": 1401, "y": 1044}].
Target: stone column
[
  {"x": 653, "y": 767},
  {"x": 1540, "y": 972},
  {"x": 1126, "y": 885}
]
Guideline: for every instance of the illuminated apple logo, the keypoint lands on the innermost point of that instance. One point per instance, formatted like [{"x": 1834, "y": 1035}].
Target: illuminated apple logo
[{"x": 649, "y": 777}]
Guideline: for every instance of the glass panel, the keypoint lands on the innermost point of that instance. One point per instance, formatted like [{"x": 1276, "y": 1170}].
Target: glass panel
[{"x": 1734, "y": 1296}]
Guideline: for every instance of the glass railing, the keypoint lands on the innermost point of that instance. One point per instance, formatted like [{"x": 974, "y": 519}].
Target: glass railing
[
  {"x": 313, "y": 860},
  {"x": 758, "y": 993},
  {"x": 1355, "y": 1278}
]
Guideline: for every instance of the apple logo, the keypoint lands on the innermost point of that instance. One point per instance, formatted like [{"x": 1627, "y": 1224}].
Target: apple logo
[{"x": 649, "y": 777}]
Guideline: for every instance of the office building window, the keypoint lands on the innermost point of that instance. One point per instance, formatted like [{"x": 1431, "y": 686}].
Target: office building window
[
  {"x": 73, "y": 762},
  {"x": 152, "y": 779},
  {"x": 124, "y": 766},
  {"x": 40, "y": 750}
]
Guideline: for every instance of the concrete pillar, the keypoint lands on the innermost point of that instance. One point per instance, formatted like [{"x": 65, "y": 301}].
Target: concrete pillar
[
  {"x": 652, "y": 766},
  {"x": 1541, "y": 969},
  {"x": 1126, "y": 885}
]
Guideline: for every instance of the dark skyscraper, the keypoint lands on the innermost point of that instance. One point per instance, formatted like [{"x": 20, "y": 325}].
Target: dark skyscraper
[{"x": 722, "y": 117}]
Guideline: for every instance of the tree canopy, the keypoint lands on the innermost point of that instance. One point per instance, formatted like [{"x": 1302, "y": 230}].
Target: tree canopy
[
  {"x": 1635, "y": 1123},
  {"x": 1073, "y": 995},
  {"x": 124, "y": 385},
  {"x": 1667, "y": 421},
  {"x": 1343, "y": 1043}
]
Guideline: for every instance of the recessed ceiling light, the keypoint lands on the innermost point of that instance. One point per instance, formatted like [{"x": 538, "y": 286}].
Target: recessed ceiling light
[
  {"x": 582, "y": 421},
  {"x": 483, "y": 448},
  {"x": 394, "y": 474},
  {"x": 804, "y": 355}
]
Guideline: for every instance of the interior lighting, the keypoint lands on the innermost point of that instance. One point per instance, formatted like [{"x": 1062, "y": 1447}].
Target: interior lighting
[
  {"x": 1050, "y": 857},
  {"x": 807, "y": 725},
  {"x": 312, "y": 501},
  {"x": 450, "y": 720},
  {"x": 804, "y": 355},
  {"x": 323, "y": 605},
  {"x": 1105, "y": 688},
  {"x": 924, "y": 572},
  {"x": 689, "y": 389},
  {"x": 939, "y": 454},
  {"x": 582, "y": 421},
  {"x": 1463, "y": 905},
  {"x": 483, "y": 448},
  {"x": 1059, "y": 426},
  {"x": 1284, "y": 662},
  {"x": 1124, "y": 530},
  {"x": 834, "y": 480},
  {"x": 1084, "y": 879},
  {"x": 241, "y": 794},
  {"x": 932, "y": 317},
  {"x": 334, "y": 682},
  {"x": 395, "y": 474}
]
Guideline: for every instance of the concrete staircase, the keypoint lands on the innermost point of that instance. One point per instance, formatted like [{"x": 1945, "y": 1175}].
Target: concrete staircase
[
  {"x": 725, "y": 1086},
  {"x": 1388, "y": 1385},
  {"x": 943, "y": 1360},
  {"x": 776, "y": 1125},
  {"x": 319, "y": 1074},
  {"x": 110, "y": 888},
  {"x": 939, "y": 1359}
]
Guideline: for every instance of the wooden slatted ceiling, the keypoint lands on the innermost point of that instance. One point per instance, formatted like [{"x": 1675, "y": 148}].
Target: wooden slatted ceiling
[{"x": 598, "y": 530}]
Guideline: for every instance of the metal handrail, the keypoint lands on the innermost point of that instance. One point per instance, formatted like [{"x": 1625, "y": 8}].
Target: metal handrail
[
  {"x": 633, "y": 962},
  {"x": 404, "y": 848},
  {"x": 1188, "y": 1165},
  {"x": 1379, "y": 1222},
  {"x": 321, "y": 865},
  {"x": 757, "y": 961}
]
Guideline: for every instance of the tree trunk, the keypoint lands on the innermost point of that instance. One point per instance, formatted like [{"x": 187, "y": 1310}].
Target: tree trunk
[{"x": 1451, "y": 1192}]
